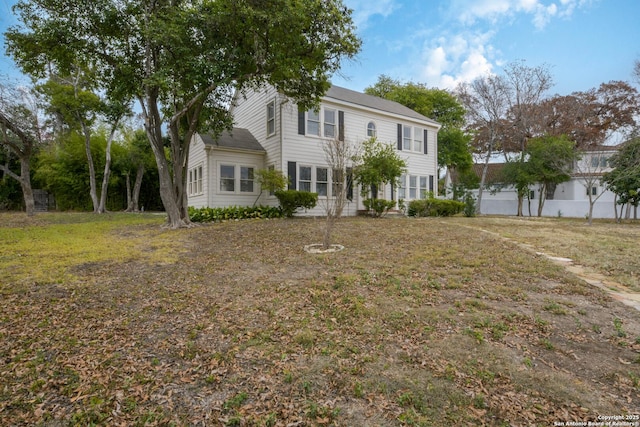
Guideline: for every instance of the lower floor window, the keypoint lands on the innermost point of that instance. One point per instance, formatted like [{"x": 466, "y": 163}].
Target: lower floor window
[
  {"x": 304, "y": 183},
  {"x": 235, "y": 178},
  {"x": 246, "y": 179},
  {"x": 413, "y": 187},
  {"x": 321, "y": 181},
  {"x": 195, "y": 181},
  {"x": 227, "y": 177}
]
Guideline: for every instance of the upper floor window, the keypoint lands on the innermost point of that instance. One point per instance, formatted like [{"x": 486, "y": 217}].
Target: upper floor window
[
  {"x": 271, "y": 118},
  {"x": 412, "y": 138},
  {"x": 371, "y": 130},
  {"x": 313, "y": 122},
  {"x": 329, "y": 123},
  {"x": 599, "y": 161}
]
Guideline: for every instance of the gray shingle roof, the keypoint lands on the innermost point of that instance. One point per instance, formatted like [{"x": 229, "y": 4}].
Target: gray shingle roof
[
  {"x": 374, "y": 102},
  {"x": 238, "y": 138}
]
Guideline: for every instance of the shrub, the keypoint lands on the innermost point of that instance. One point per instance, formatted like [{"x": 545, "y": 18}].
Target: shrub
[
  {"x": 292, "y": 200},
  {"x": 233, "y": 213},
  {"x": 378, "y": 207},
  {"x": 435, "y": 207},
  {"x": 469, "y": 205}
]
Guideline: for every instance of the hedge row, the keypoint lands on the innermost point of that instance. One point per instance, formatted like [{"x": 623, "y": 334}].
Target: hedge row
[
  {"x": 233, "y": 213},
  {"x": 434, "y": 207}
]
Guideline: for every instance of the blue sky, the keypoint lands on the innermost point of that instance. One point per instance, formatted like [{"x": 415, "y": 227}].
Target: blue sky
[{"x": 443, "y": 42}]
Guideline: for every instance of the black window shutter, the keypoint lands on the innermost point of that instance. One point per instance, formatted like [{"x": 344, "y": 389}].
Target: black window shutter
[
  {"x": 291, "y": 172},
  {"x": 350, "y": 184},
  {"x": 431, "y": 183},
  {"x": 300, "y": 122},
  {"x": 340, "y": 125},
  {"x": 426, "y": 145},
  {"x": 399, "y": 136}
]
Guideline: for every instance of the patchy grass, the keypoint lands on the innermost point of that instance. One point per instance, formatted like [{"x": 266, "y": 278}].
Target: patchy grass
[{"x": 421, "y": 322}]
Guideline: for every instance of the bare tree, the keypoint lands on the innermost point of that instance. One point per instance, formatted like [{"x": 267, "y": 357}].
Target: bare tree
[
  {"x": 486, "y": 101},
  {"x": 338, "y": 154},
  {"x": 527, "y": 87},
  {"x": 21, "y": 133}
]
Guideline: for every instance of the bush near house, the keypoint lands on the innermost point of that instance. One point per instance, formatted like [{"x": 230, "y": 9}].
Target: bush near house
[
  {"x": 378, "y": 207},
  {"x": 434, "y": 207},
  {"x": 233, "y": 213},
  {"x": 292, "y": 200}
]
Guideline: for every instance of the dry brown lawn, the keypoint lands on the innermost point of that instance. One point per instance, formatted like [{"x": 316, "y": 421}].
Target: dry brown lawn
[{"x": 112, "y": 320}]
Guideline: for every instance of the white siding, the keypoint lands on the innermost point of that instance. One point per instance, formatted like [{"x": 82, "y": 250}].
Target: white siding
[
  {"x": 286, "y": 145},
  {"x": 197, "y": 157}
]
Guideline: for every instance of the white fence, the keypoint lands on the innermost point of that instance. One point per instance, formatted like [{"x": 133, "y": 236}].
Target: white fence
[{"x": 565, "y": 208}]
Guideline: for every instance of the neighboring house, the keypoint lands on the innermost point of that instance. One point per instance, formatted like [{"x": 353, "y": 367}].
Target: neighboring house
[
  {"x": 270, "y": 132},
  {"x": 570, "y": 199}
]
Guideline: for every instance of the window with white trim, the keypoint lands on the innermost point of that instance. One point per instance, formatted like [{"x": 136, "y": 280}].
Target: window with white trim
[
  {"x": 194, "y": 186},
  {"x": 413, "y": 187},
  {"x": 322, "y": 180},
  {"x": 371, "y": 130},
  {"x": 329, "y": 123},
  {"x": 313, "y": 122},
  {"x": 594, "y": 191},
  {"x": 423, "y": 188},
  {"x": 402, "y": 187},
  {"x": 304, "y": 178},
  {"x": 406, "y": 138},
  {"x": 417, "y": 139},
  {"x": 337, "y": 179},
  {"x": 227, "y": 178},
  {"x": 271, "y": 118},
  {"x": 246, "y": 179}
]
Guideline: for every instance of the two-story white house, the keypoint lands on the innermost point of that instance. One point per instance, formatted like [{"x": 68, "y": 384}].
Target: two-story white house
[
  {"x": 270, "y": 132},
  {"x": 570, "y": 199}
]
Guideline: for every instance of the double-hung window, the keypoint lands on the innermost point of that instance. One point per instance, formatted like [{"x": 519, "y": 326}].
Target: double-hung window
[
  {"x": 227, "y": 178},
  {"x": 246, "y": 179},
  {"x": 337, "y": 182},
  {"x": 406, "y": 137},
  {"x": 329, "y": 123},
  {"x": 195, "y": 181},
  {"x": 402, "y": 187},
  {"x": 423, "y": 187},
  {"x": 322, "y": 181},
  {"x": 313, "y": 122},
  {"x": 304, "y": 180},
  {"x": 417, "y": 140},
  {"x": 271, "y": 118},
  {"x": 413, "y": 187}
]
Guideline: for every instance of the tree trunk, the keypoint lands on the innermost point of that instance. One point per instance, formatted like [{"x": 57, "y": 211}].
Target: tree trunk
[
  {"x": 520, "y": 202},
  {"x": 93, "y": 192},
  {"x": 25, "y": 183},
  {"x": 135, "y": 199},
  {"x": 127, "y": 180},
  {"x": 543, "y": 191},
  {"x": 102, "y": 208},
  {"x": 591, "y": 202}
]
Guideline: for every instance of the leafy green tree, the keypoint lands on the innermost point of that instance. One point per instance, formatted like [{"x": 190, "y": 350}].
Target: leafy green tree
[
  {"x": 271, "y": 180},
  {"x": 624, "y": 179},
  {"x": 379, "y": 164},
  {"x": 518, "y": 173},
  {"x": 550, "y": 162},
  {"x": 184, "y": 60}
]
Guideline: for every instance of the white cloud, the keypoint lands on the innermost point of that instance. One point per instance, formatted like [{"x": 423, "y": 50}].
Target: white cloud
[
  {"x": 461, "y": 57},
  {"x": 469, "y": 12},
  {"x": 363, "y": 10}
]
